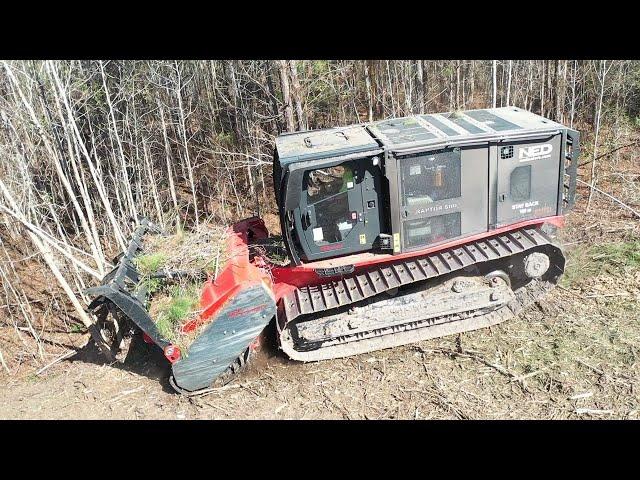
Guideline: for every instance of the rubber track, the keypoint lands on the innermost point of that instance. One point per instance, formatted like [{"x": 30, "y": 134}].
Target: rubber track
[{"x": 355, "y": 288}]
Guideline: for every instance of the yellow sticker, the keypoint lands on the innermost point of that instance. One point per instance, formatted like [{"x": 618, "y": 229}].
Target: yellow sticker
[
  {"x": 363, "y": 239},
  {"x": 396, "y": 242}
]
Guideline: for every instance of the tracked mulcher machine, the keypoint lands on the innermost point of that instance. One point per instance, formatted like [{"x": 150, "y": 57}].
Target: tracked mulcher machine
[{"x": 397, "y": 231}]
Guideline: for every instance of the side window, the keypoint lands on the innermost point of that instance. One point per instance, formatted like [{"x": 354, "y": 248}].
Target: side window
[
  {"x": 520, "y": 183},
  {"x": 326, "y": 182},
  {"x": 425, "y": 231}
]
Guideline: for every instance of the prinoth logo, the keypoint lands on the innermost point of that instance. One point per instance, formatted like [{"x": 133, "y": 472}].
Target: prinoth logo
[{"x": 535, "y": 152}]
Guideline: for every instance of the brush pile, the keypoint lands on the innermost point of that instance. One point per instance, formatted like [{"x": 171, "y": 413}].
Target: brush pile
[{"x": 172, "y": 270}]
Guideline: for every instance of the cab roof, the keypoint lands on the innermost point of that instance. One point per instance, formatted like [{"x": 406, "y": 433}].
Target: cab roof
[
  {"x": 308, "y": 145},
  {"x": 411, "y": 132}
]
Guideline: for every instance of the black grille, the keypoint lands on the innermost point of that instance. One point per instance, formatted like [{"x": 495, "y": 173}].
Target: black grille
[{"x": 506, "y": 152}]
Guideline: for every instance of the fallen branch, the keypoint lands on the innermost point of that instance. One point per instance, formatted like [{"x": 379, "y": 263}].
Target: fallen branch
[
  {"x": 608, "y": 153},
  {"x": 590, "y": 411},
  {"x": 480, "y": 359},
  {"x": 70, "y": 353},
  {"x": 581, "y": 395},
  {"x": 3, "y": 363},
  {"x": 226, "y": 412},
  {"x": 125, "y": 393},
  {"x": 637, "y": 214},
  {"x": 532, "y": 374},
  {"x": 596, "y": 370}
]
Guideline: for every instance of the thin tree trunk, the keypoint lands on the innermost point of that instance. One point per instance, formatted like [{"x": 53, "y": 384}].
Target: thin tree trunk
[
  {"x": 273, "y": 100},
  {"x": 152, "y": 182},
  {"x": 556, "y": 90},
  {"x": 573, "y": 92},
  {"x": 408, "y": 87},
  {"x": 286, "y": 95},
  {"x": 561, "y": 95},
  {"x": 420, "y": 87},
  {"x": 458, "y": 66},
  {"x": 393, "y": 104},
  {"x": 597, "y": 132},
  {"x": 425, "y": 84},
  {"x": 297, "y": 92},
  {"x": 542, "y": 95},
  {"x": 472, "y": 82},
  {"x": 509, "y": 83},
  {"x": 495, "y": 85},
  {"x": 183, "y": 129},
  {"x": 168, "y": 161},
  {"x": 367, "y": 81},
  {"x": 125, "y": 172}
]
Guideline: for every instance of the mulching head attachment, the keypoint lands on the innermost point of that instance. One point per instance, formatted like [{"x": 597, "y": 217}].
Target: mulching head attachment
[
  {"x": 234, "y": 308},
  {"x": 120, "y": 299}
]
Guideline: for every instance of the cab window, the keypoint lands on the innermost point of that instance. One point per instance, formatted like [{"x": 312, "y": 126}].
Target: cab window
[{"x": 328, "y": 192}]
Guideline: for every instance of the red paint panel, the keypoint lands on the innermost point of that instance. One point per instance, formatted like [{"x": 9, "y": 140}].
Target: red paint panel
[
  {"x": 287, "y": 279},
  {"x": 237, "y": 274},
  {"x": 333, "y": 246}
]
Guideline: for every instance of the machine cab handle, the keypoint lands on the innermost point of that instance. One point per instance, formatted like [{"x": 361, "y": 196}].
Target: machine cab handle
[{"x": 306, "y": 219}]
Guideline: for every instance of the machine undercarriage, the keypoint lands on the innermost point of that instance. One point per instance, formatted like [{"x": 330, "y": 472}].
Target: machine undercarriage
[{"x": 473, "y": 286}]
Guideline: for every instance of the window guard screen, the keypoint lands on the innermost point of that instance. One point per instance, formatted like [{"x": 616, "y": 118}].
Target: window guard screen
[
  {"x": 431, "y": 177},
  {"x": 427, "y": 231}
]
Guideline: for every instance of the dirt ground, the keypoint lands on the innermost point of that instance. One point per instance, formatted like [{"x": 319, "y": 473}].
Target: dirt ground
[{"x": 573, "y": 355}]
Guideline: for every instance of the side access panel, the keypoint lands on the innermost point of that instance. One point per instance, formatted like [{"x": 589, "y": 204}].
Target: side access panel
[
  {"x": 527, "y": 179},
  {"x": 443, "y": 195}
]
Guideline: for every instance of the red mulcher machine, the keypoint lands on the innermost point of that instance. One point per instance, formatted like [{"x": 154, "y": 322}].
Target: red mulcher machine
[{"x": 396, "y": 231}]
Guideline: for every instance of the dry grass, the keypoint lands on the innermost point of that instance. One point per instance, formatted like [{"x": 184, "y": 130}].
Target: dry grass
[{"x": 202, "y": 249}]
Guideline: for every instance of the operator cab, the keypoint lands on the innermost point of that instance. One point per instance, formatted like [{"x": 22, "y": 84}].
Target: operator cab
[{"x": 328, "y": 184}]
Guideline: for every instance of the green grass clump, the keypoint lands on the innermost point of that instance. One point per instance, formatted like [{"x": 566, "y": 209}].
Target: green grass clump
[
  {"x": 152, "y": 285},
  {"x": 182, "y": 303},
  {"x": 614, "y": 257},
  {"x": 150, "y": 263},
  {"x": 619, "y": 255},
  {"x": 77, "y": 328}
]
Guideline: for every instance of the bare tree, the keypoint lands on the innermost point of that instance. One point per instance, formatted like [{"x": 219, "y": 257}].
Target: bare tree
[
  {"x": 286, "y": 95},
  {"x": 509, "y": 83},
  {"x": 297, "y": 93},
  {"x": 495, "y": 85},
  {"x": 601, "y": 77}
]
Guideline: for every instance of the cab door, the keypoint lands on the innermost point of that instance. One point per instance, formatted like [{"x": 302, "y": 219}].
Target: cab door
[{"x": 339, "y": 210}]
